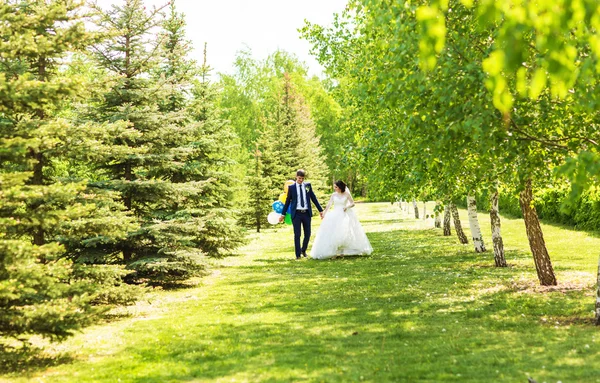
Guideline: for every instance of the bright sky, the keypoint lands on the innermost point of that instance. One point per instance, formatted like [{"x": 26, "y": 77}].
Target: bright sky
[{"x": 263, "y": 25}]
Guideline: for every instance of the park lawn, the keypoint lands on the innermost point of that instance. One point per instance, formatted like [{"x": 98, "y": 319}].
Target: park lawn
[{"x": 421, "y": 308}]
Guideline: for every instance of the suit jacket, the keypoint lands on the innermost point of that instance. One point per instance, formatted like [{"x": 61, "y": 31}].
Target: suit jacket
[{"x": 292, "y": 199}]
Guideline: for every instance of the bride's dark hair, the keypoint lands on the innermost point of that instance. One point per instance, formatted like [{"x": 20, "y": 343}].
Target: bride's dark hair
[{"x": 341, "y": 185}]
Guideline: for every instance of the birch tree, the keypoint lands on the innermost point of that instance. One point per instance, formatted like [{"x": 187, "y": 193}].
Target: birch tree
[
  {"x": 474, "y": 225},
  {"x": 447, "y": 215},
  {"x": 497, "y": 242},
  {"x": 457, "y": 225},
  {"x": 422, "y": 100}
]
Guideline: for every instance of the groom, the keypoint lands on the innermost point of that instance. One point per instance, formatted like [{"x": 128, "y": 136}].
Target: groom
[{"x": 298, "y": 198}]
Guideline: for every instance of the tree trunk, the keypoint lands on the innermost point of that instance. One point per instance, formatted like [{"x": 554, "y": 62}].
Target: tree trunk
[
  {"x": 257, "y": 218},
  {"x": 543, "y": 265},
  {"x": 416, "y": 209},
  {"x": 38, "y": 156},
  {"x": 457, "y": 225},
  {"x": 257, "y": 155},
  {"x": 437, "y": 223},
  {"x": 496, "y": 237},
  {"x": 447, "y": 231},
  {"x": 127, "y": 194},
  {"x": 38, "y": 168},
  {"x": 424, "y": 210},
  {"x": 38, "y": 179},
  {"x": 474, "y": 225},
  {"x": 127, "y": 255},
  {"x": 598, "y": 295}
]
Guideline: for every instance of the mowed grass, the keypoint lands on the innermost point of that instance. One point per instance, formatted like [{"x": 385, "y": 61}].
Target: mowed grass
[{"x": 420, "y": 308}]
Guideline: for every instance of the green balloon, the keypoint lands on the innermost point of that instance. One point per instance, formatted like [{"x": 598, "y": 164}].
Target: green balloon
[{"x": 288, "y": 218}]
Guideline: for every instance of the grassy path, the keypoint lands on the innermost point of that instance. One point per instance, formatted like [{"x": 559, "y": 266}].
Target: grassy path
[{"x": 421, "y": 308}]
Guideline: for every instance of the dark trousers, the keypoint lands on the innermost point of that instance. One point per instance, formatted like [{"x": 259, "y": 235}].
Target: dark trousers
[{"x": 301, "y": 221}]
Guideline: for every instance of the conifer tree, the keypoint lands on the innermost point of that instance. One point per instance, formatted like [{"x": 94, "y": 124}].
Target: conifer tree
[
  {"x": 288, "y": 142},
  {"x": 259, "y": 186},
  {"x": 213, "y": 166},
  {"x": 42, "y": 217},
  {"x": 202, "y": 221},
  {"x": 163, "y": 161},
  {"x": 131, "y": 153},
  {"x": 296, "y": 145}
]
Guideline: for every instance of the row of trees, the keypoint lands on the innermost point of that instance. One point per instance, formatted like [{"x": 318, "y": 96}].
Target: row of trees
[
  {"x": 122, "y": 164},
  {"x": 455, "y": 99},
  {"x": 114, "y": 161},
  {"x": 285, "y": 120}
]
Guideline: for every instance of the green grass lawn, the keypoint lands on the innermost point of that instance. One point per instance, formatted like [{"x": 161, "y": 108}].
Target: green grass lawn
[{"x": 420, "y": 308}]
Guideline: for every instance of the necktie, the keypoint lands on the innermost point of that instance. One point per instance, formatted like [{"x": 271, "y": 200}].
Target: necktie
[{"x": 302, "y": 205}]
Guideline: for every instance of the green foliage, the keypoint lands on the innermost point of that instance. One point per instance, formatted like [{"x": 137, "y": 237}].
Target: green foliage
[
  {"x": 48, "y": 219},
  {"x": 168, "y": 158},
  {"x": 445, "y": 131},
  {"x": 289, "y": 142},
  {"x": 555, "y": 204},
  {"x": 544, "y": 52},
  {"x": 120, "y": 160},
  {"x": 109, "y": 288},
  {"x": 260, "y": 189},
  {"x": 35, "y": 297},
  {"x": 278, "y": 114}
]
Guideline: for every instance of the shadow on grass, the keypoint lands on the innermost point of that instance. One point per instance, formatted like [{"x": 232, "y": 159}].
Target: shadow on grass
[{"x": 28, "y": 359}]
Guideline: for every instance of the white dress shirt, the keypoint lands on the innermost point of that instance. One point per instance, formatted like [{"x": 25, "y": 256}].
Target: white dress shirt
[{"x": 300, "y": 188}]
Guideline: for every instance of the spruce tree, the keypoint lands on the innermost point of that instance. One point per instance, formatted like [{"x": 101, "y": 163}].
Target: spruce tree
[
  {"x": 287, "y": 142},
  {"x": 163, "y": 161},
  {"x": 260, "y": 189},
  {"x": 213, "y": 167},
  {"x": 296, "y": 145},
  {"x": 42, "y": 217},
  {"x": 202, "y": 221}
]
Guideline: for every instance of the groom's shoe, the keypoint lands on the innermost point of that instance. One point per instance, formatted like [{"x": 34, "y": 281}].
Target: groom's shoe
[{"x": 304, "y": 254}]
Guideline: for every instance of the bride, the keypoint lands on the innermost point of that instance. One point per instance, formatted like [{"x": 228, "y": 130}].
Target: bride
[{"x": 340, "y": 232}]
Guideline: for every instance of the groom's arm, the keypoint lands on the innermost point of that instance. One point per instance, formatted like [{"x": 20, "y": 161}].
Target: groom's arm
[
  {"x": 288, "y": 200},
  {"x": 313, "y": 198}
]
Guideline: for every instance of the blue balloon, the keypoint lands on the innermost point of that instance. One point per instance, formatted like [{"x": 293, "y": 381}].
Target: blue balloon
[{"x": 278, "y": 207}]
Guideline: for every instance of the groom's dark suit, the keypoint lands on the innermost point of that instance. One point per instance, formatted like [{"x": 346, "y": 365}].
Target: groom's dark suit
[{"x": 301, "y": 218}]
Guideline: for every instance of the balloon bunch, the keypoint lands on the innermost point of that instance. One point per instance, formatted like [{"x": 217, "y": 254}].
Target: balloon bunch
[{"x": 278, "y": 206}]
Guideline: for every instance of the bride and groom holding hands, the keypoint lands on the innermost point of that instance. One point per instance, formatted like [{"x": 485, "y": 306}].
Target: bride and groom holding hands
[{"x": 340, "y": 232}]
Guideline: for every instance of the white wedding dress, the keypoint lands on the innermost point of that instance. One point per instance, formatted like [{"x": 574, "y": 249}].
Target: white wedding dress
[{"x": 340, "y": 233}]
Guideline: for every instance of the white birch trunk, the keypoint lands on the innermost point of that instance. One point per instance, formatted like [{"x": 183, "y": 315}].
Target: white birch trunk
[
  {"x": 458, "y": 225},
  {"x": 447, "y": 218},
  {"x": 416, "y": 209},
  {"x": 598, "y": 296},
  {"x": 474, "y": 224},
  {"x": 424, "y": 210},
  {"x": 402, "y": 206},
  {"x": 497, "y": 242},
  {"x": 438, "y": 221}
]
